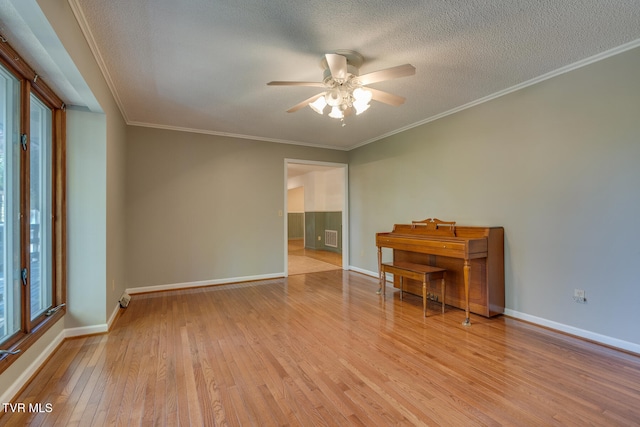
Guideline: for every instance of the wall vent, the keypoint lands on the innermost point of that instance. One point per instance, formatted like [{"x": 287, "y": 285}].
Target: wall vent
[{"x": 331, "y": 238}]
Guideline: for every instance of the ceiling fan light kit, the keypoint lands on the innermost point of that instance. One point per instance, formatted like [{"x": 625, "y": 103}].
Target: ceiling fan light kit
[{"x": 346, "y": 90}]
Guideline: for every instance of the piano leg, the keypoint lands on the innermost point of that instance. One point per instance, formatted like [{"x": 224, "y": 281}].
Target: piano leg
[
  {"x": 442, "y": 286},
  {"x": 424, "y": 296},
  {"x": 382, "y": 278},
  {"x": 466, "y": 269}
]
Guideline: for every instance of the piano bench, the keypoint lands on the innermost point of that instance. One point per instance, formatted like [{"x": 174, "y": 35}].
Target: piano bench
[{"x": 420, "y": 272}]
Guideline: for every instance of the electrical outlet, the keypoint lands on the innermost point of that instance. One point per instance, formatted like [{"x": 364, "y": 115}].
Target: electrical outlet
[{"x": 579, "y": 296}]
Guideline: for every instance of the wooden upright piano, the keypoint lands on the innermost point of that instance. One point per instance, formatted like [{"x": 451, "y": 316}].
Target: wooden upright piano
[{"x": 472, "y": 256}]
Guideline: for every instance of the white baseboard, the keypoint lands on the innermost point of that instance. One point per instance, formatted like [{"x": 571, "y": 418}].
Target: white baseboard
[
  {"x": 86, "y": 330},
  {"x": 363, "y": 271},
  {"x": 113, "y": 316},
  {"x": 186, "y": 285},
  {"x": 592, "y": 336},
  {"x": 26, "y": 375}
]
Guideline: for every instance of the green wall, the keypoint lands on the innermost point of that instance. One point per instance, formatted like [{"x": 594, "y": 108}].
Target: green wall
[
  {"x": 556, "y": 164},
  {"x": 315, "y": 225}
]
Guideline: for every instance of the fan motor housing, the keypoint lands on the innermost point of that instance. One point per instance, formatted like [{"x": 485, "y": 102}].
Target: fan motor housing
[{"x": 354, "y": 62}]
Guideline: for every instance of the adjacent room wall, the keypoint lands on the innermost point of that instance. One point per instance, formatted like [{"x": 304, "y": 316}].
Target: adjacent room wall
[
  {"x": 204, "y": 208},
  {"x": 295, "y": 200},
  {"x": 295, "y": 213},
  {"x": 322, "y": 207},
  {"x": 556, "y": 164},
  {"x": 324, "y": 190}
]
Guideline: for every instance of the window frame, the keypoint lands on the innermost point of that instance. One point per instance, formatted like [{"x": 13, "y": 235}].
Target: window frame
[{"x": 30, "y": 83}]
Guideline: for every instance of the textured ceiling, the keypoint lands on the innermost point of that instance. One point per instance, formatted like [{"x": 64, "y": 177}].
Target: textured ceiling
[{"x": 203, "y": 65}]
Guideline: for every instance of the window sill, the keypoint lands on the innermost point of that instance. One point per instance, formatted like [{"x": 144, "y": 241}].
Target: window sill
[{"x": 27, "y": 340}]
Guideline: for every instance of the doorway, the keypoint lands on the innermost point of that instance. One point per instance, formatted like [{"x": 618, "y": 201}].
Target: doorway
[{"x": 316, "y": 219}]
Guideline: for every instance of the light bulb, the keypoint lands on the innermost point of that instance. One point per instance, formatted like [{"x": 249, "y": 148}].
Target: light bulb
[
  {"x": 360, "y": 108},
  {"x": 318, "y": 105},
  {"x": 336, "y": 113},
  {"x": 334, "y": 97},
  {"x": 362, "y": 95},
  {"x": 362, "y": 98}
]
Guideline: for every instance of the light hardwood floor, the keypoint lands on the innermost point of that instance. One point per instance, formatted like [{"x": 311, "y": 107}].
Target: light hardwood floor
[
  {"x": 302, "y": 260},
  {"x": 324, "y": 349}
]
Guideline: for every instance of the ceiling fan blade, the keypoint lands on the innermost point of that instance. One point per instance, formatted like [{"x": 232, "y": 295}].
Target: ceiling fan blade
[
  {"x": 337, "y": 66},
  {"x": 386, "y": 97},
  {"x": 304, "y": 103},
  {"x": 311, "y": 84},
  {"x": 388, "y": 74}
]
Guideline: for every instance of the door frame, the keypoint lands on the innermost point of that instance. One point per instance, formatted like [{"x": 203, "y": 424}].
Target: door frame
[{"x": 345, "y": 208}]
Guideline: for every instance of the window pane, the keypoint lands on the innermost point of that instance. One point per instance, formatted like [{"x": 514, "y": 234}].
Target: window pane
[
  {"x": 9, "y": 205},
  {"x": 40, "y": 211}
]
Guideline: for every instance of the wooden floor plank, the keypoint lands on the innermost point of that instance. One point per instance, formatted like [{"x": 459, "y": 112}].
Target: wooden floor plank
[{"x": 324, "y": 349}]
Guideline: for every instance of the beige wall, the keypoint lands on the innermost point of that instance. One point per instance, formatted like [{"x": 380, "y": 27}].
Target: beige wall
[
  {"x": 295, "y": 200},
  {"x": 556, "y": 164},
  {"x": 323, "y": 190},
  {"x": 206, "y": 208}
]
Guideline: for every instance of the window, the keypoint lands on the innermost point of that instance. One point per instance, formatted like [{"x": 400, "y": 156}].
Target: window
[
  {"x": 32, "y": 211},
  {"x": 40, "y": 207},
  {"x": 9, "y": 205}
]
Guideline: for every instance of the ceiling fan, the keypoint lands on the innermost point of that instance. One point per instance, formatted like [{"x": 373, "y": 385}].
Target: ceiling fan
[{"x": 345, "y": 90}]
